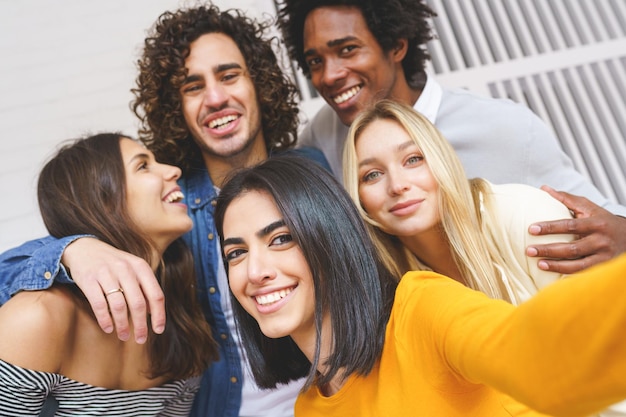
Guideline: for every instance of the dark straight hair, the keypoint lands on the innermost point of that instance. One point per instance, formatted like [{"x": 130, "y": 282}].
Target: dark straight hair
[{"x": 351, "y": 284}]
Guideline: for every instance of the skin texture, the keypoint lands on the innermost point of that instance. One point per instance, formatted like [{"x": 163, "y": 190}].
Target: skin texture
[
  {"x": 150, "y": 185},
  {"x": 263, "y": 262},
  {"x": 396, "y": 186},
  {"x": 345, "y": 60},
  {"x": 218, "y": 88}
]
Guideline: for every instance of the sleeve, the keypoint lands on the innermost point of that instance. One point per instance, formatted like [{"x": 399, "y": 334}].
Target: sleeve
[
  {"x": 562, "y": 353},
  {"x": 22, "y": 391},
  {"x": 514, "y": 208},
  {"x": 34, "y": 265}
]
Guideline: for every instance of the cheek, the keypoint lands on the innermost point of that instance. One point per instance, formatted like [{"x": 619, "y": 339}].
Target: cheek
[
  {"x": 189, "y": 105},
  {"x": 237, "y": 281},
  {"x": 371, "y": 200}
]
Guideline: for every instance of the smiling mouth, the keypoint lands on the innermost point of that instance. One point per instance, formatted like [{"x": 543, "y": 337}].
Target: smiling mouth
[
  {"x": 347, "y": 95},
  {"x": 174, "y": 197},
  {"x": 271, "y": 298},
  {"x": 222, "y": 122}
]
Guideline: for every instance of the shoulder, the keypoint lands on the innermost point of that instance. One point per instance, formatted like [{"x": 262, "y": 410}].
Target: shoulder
[
  {"x": 35, "y": 327},
  {"x": 324, "y": 125},
  {"x": 534, "y": 203},
  {"x": 310, "y": 153}
]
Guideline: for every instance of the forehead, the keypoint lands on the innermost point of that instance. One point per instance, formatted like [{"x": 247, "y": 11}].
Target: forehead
[
  {"x": 250, "y": 212},
  {"x": 332, "y": 23},
  {"x": 383, "y": 133},
  {"x": 129, "y": 148},
  {"x": 211, "y": 50}
]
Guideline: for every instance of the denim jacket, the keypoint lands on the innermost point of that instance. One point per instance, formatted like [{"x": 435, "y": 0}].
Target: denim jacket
[{"x": 37, "y": 263}]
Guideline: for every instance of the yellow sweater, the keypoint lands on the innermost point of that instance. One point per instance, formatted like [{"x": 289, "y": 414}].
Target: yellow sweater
[{"x": 451, "y": 351}]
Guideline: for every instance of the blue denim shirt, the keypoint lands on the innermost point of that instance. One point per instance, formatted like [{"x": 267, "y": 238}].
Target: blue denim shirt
[{"x": 37, "y": 263}]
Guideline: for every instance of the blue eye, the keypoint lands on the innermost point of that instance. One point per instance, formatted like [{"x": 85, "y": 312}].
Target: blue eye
[{"x": 371, "y": 176}]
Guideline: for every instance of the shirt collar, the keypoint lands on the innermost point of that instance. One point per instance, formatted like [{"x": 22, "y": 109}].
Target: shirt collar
[
  {"x": 430, "y": 99},
  {"x": 197, "y": 187}
]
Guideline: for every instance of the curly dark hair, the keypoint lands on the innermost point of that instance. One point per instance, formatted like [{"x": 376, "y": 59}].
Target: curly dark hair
[
  {"x": 388, "y": 20},
  {"x": 162, "y": 71}
]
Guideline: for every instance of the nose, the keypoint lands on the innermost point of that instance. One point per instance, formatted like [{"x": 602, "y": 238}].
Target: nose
[
  {"x": 215, "y": 96},
  {"x": 333, "y": 72},
  {"x": 398, "y": 183},
  {"x": 171, "y": 172},
  {"x": 260, "y": 269}
]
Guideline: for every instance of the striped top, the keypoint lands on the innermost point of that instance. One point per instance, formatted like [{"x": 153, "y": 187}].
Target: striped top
[{"x": 23, "y": 392}]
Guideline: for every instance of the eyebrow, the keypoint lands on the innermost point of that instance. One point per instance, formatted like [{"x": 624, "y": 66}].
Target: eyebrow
[
  {"x": 400, "y": 147},
  {"x": 332, "y": 43},
  {"x": 261, "y": 233},
  {"x": 139, "y": 156},
  {"x": 217, "y": 69}
]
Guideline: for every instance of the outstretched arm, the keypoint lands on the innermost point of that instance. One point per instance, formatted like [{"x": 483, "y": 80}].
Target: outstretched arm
[
  {"x": 601, "y": 236},
  {"x": 100, "y": 270}
]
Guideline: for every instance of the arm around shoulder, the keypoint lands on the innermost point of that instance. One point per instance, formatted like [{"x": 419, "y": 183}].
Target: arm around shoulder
[{"x": 34, "y": 265}]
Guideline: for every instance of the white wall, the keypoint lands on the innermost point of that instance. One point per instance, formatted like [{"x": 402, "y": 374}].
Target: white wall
[{"x": 66, "y": 68}]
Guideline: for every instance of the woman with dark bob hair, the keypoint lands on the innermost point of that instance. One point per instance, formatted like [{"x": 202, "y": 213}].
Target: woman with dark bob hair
[
  {"x": 313, "y": 299},
  {"x": 110, "y": 187}
]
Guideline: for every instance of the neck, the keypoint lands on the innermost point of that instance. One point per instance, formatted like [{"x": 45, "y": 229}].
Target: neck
[
  {"x": 433, "y": 250},
  {"x": 406, "y": 94},
  {"x": 306, "y": 343},
  {"x": 220, "y": 167}
]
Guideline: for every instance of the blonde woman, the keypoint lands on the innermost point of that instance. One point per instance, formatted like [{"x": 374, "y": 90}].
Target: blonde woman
[{"x": 424, "y": 214}]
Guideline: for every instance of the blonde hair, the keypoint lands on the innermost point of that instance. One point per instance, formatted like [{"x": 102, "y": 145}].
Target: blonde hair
[{"x": 471, "y": 239}]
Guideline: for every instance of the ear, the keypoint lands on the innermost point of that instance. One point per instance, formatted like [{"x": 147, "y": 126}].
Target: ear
[{"x": 399, "y": 50}]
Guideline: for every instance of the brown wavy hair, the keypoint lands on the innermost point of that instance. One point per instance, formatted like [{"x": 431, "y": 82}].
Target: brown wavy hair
[
  {"x": 82, "y": 190},
  {"x": 162, "y": 71},
  {"x": 388, "y": 20}
]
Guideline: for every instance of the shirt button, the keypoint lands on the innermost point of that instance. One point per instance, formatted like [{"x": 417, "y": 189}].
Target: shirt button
[
  {"x": 224, "y": 336},
  {"x": 212, "y": 290},
  {"x": 211, "y": 236},
  {"x": 47, "y": 275},
  {"x": 197, "y": 201},
  {"x": 233, "y": 379},
  {"x": 213, "y": 203}
]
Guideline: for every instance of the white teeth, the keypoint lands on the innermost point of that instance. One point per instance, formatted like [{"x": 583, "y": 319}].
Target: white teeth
[
  {"x": 347, "y": 95},
  {"x": 267, "y": 299},
  {"x": 174, "y": 197},
  {"x": 222, "y": 121}
]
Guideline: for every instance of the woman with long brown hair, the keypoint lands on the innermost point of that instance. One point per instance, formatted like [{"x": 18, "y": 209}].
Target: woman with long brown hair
[{"x": 110, "y": 187}]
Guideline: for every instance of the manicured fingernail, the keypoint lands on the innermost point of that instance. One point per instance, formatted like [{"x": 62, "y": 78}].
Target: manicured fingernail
[
  {"x": 141, "y": 340},
  {"x": 534, "y": 229},
  {"x": 542, "y": 265},
  {"x": 159, "y": 329},
  {"x": 531, "y": 252}
]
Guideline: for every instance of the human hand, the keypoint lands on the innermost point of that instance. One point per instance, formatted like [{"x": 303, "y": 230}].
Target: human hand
[
  {"x": 100, "y": 271},
  {"x": 601, "y": 235}
]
